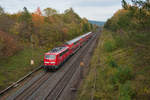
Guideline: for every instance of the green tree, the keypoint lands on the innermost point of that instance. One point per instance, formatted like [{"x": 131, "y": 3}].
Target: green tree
[
  {"x": 124, "y": 4},
  {"x": 25, "y": 16},
  {"x": 27, "y": 25},
  {"x": 1, "y": 11},
  {"x": 49, "y": 12}
]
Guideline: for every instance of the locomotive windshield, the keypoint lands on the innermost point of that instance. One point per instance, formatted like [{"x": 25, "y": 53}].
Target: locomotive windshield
[{"x": 51, "y": 57}]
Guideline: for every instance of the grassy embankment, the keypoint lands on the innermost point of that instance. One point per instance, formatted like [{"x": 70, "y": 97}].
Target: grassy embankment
[
  {"x": 118, "y": 71},
  {"x": 18, "y": 65}
]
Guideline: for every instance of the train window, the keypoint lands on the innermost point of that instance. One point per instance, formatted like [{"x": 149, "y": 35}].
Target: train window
[
  {"x": 51, "y": 57},
  {"x": 67, "y": 50},
  {"x": 64, "y": 52},
  {"x": 76, "y": 42},
  {"x": 61, "y": 54}
]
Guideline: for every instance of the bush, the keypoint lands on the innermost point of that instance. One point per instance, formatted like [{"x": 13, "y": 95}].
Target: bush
[
  {"x": 122, "y": 75},
  {"x": 125, "y": 91},
  {"x": 119, "y": 41},
  {"x": 109, "y": 46},
  {"x": 111, "y": 62}
]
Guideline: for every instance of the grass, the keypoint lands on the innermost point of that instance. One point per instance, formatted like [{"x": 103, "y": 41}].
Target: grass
[
  {"x": 120, "y": 73},
  {"x": 17, "y": 66}
]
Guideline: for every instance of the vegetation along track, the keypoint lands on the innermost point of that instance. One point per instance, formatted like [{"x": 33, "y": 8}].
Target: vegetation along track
[{"x": 50, "y": 85}]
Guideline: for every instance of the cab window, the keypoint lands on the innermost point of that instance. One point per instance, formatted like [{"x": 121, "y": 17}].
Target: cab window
[{"x": 51, "y": 57}]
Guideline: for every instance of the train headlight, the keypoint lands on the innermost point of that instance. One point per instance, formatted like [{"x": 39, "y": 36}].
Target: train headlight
[
  {"x": 46, "y": 62},
  {"x": 52, "y": 62}
]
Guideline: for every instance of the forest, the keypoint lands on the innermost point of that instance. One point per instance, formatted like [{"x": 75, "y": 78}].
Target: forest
[
  {"x": 131, "y": 29},
  {"x": 28, "y": 35},
  {"x": 123, "y": 62},
  {"x": 40, "y": 29}
]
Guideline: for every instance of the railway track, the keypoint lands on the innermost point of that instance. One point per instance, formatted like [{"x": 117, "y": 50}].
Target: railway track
[
  {"x": 12, "y": 86},
  {"x": 29, "y": 91},
  {"x": 59, "y": 87},
  {"x": 69, "y": 92},
  {"x": 49, "y": 86}
]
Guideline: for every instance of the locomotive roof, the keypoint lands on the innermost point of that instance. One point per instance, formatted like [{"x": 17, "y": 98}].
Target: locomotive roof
[
  {"x": 78, "y": 38},
  {"x": 57, "y": 49}
]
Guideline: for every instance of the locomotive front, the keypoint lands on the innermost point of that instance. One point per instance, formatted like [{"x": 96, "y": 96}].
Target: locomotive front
[{"x": 50, "y": 61}]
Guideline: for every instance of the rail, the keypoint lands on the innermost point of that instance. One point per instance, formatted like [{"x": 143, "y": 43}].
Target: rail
[{"x": 20, "y": 80}]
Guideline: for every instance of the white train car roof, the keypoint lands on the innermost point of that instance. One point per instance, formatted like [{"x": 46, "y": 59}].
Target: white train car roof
[
  {"x": 78, "y": 38},
  {"x": 57, "y": 50}
]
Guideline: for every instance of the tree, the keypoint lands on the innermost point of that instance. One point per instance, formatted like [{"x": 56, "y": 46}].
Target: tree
[
  {"x": 26, "y": 29},
  {"x": 124, "y": 4},
  {"x": 70, "y": 10},
  {"x": 71, "y": 17},
  {"x": 1, "y": 11},
  {"x": 9, "y": 44},
  {"x": 25, "y": 16},
  {"x": 37, "y": 17},
  {"x": 38, "y": 11},
  {"x": 49, "y": 12},
  {"x": 85, "y": 25},
  {"x": 147, "y": 5}
]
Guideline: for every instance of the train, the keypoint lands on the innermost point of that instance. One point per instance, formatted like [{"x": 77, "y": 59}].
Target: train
[{"x": 58, "y": 55}]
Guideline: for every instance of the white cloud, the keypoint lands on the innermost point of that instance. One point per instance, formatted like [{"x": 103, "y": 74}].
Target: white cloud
[
  {"x": 97, "y": 13},
  {"x": 91, "y": 9}
]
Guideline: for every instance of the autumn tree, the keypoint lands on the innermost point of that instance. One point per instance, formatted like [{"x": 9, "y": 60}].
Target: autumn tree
[
  {"x": 9, "y": 45},
  {"x": 44, "y": 29},
  {"x": 37, "y": 17},
  {"x": 38, "y": 23},
  {"x": 6, "y": 22}
]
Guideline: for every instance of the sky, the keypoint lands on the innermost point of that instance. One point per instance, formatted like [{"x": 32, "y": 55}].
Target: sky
[{"x": 99, "y": 10}]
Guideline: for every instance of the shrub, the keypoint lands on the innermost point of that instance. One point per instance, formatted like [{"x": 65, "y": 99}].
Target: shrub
[
  {"x": 111, "y": 62},
  {"x": 125, "y": 91},
  {"x": 109, "y": 46},
  {"x": 122, "y": 75},
  {"x": 119, "y": 41}
]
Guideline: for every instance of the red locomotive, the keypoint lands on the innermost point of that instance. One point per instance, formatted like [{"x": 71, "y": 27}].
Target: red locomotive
[{"x": 57, "y": 56}]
